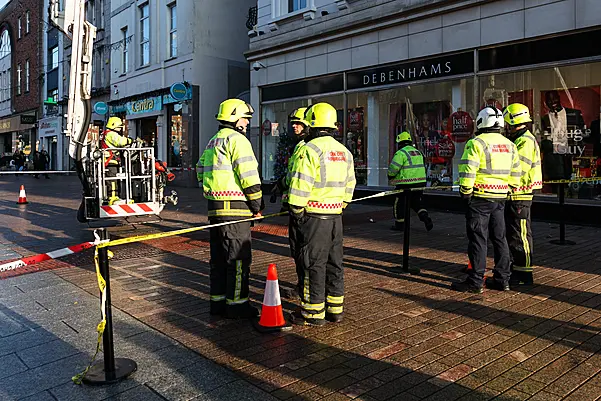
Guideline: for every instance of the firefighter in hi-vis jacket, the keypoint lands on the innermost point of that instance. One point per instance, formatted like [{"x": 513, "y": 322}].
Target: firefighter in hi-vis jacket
[
  {"x": 407, "y": 170},
  {"x": 322, "y": 182},
  {"x": 489, "y": 169},
  {"x": 113, "y": 137},
  {"x": 232, "y": 186},
  {"x": 519, "y": 204}
]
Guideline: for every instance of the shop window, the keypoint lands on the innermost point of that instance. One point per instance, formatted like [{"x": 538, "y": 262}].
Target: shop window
[
  {"x": 278, "y": 139},
  {"x": 177, "y": 142},
  {"x": 565, "y": 107},
  {"x": 433, "y": 114}
]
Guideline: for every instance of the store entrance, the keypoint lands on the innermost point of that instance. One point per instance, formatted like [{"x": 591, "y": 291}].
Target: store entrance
[{"x": 148, "y": 132}]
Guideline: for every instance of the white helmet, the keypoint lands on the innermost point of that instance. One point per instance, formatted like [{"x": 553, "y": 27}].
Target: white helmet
[{"x": 490, "y": 118}]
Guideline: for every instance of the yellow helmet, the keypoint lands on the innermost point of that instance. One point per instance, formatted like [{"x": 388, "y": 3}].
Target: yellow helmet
[
  {"x": 516, "y": 114},
  {"x": 114, "y": 124},
  {"x": 231, "y": 110},
  {"x": 321, "y": 115},
  {"x": 298, "y": 115},
  {"x": 403, "y": 136}
]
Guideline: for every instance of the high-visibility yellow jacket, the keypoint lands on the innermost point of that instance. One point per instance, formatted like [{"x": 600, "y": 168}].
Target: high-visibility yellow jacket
[
  {"x": 532, "y": 175},
  {"x": 286, "y": 185},
  {"x": 322, "y": 177},
  {"x": 407, "y": 167},
  {"x": 490, "y": 165},
  {"x": 111, "y": 139},
  {"x": 229, "y": 175}
]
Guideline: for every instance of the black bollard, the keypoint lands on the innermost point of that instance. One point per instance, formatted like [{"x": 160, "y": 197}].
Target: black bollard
[
  {"x": 406, "y": 234},
  {"x": 562, "y": 219},
  {"x": 112, "y": 370}
]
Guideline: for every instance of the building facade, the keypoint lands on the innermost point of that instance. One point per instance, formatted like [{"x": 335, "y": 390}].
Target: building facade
[
  {"x": 197, "y": 46},
  {"x": 428, "y": 67},
  {"x": 20, "y": 75}
]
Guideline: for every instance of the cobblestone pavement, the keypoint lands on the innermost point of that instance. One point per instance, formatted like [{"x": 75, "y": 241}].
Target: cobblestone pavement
[{"x": 405, "y": 337}]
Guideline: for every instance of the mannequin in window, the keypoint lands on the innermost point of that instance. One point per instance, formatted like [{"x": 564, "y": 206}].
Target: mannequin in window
[{"x": 557, "y": 163}]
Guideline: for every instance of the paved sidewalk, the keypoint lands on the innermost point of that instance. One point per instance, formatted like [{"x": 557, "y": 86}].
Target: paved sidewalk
[
  {"x": 404, "y": 337},
  {"x": 47, "y": 335}
]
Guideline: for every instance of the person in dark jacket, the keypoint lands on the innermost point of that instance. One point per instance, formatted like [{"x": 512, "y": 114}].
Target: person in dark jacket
[{"x": 39, "y": 162}]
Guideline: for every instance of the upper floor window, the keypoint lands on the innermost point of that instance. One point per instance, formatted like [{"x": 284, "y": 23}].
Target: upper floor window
[
  {"x": 19, "y": 79},
  {"x": 295, "y": 5},
  {"x": 124, "y": 52},
  {"x": 27, "y": 21},
  {"x": 144, "y": 35},
  {"x": 53, "y": 58},
  {"x": 280, "y": 8},
  {"x": 19, "y": 28},
  {"x": 26, "y": 76},
  {"x": 173, "y": 30}
]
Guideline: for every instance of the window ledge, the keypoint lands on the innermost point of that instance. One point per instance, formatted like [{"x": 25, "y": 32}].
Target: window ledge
[
  {"x": 170, "y": 59},
  {"x": 308, "y": 13}
]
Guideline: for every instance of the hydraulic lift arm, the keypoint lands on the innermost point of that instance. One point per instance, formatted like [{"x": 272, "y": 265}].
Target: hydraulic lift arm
[{"x": 71, "y": 21}]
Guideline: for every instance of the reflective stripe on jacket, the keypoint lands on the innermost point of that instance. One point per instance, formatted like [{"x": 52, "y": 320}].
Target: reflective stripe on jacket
[
  {"x": 490, "y": 165},
  {"x": 407, "y": 167},
  {"x": 322, "y": 177},
  {"x": 285, "y": 194},
  {"x": 532, "y": 175},
  {"x": 229, "y": 175}
]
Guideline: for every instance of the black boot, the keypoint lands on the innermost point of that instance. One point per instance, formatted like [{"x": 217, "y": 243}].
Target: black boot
[
  {"x": 494, "y": 284},
  {"x": 521, "y": 278},
  {"x": 298, "y": 319},
  {"x": 465, "y": 286},
  {"x": 425, "y": 217},
  {"x": 335, "y": 317},
  {"x": 217, "y": 308}
]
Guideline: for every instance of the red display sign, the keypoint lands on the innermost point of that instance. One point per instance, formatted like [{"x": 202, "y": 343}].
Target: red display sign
[{"x": 462, "y": 126}]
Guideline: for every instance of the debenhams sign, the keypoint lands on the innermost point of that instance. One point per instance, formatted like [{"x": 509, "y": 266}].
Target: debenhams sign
[{"x": 456, "y": 64}]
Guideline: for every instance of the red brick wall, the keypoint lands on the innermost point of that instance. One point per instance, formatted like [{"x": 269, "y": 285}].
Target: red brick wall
[{"x": 26, "y": 48}]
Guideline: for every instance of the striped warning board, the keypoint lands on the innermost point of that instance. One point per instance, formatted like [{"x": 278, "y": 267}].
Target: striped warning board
[{"x": 134, "y": 209}]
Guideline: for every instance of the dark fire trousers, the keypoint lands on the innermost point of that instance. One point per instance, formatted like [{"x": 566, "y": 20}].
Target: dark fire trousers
[
  {"x": 231, "y": 256},
  {"x": 318, "y": 255},
  {"x": 415, "y": 198},
  {"x": 486, "y": 217},
  {"x": 519, "y": 238}
]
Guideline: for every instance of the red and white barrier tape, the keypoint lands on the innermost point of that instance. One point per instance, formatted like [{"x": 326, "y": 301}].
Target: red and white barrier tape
[{"x": 30, "y": 260}]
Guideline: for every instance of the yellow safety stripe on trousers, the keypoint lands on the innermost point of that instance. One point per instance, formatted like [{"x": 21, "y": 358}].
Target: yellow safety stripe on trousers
[
  {"x": 335, "y": 310},
  {"x": 330, "y": 299},
  {"x": 100, "y": 328},
  {"x": 238, "y": 287},
  {"x": 524, "y": 232},
  {"x": 313, "y": 307},
  {"x": 308, "y": 315},
  {"x": 217, "y": 298}
]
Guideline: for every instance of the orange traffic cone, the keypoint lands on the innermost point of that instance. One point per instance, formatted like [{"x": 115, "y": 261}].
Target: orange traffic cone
[
  {"x": 272, "y": 315},
  {"x": 22, "y": 197}
]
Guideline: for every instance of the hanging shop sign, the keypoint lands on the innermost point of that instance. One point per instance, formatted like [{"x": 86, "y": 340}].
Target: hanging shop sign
[
  {"x": 49, "y": 126},
  {"x": 438, "y": 67},
  {"x": 178, "y": 91},
  {"x": 100, "y": 108}
]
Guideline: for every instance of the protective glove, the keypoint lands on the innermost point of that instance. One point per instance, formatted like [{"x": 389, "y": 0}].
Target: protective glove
[{"x": 466, "y": 193}]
